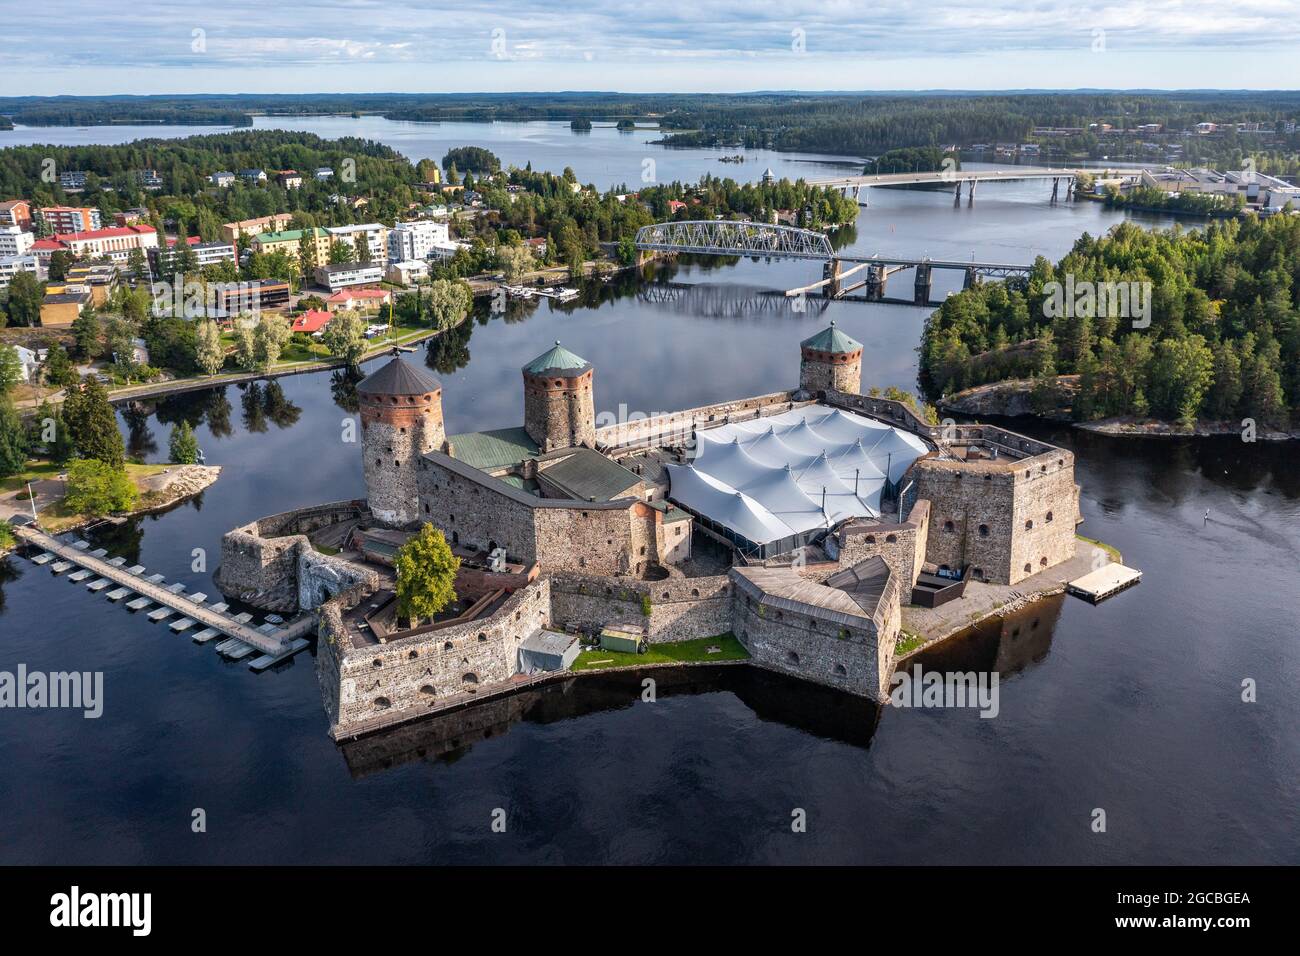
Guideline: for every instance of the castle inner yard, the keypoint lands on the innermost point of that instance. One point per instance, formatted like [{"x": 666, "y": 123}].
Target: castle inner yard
[{"x": 830, "y": 532}]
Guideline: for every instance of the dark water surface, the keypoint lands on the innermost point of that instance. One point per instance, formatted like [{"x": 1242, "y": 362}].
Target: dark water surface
[{"x": 1133, "y": 706}]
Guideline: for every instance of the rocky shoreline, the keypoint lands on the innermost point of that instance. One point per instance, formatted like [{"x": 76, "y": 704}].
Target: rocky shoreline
[{"x": 1012, "y": 399}]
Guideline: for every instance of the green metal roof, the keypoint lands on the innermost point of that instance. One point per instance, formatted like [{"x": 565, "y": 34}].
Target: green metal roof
[
  {"x": 488, "y": 451},
  {"x": 589, "y": 476},
  {"x": 831, "y": 340},
  {"x": 557, "y": 359},
  {"x": 287, "y": 235}
]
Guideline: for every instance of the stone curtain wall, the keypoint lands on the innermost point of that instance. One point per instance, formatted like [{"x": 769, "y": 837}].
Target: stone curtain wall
[
  {"x": 681, "y": 609},
  {"x": 259, "y": 561},
  {"x": 622, "y": 537},
  {"x": 406, "y": 677},
  {"x": 1046, "y": 514},
  {"x": 660, "y": 427},
  {"x": 322, "y": 576},
  {"x": 857, "y": 659},
  {"x": 903, "y": 546}
]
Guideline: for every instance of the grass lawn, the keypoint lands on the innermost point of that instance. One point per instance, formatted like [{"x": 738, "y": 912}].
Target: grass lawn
[
  {"x": 56, "y": 517},
  {"x": 679, "y": 652},
  {"x": 908, "y": 642},
  {"x": 35, "y": 471},
  {"x": 1113, "y": 552}
]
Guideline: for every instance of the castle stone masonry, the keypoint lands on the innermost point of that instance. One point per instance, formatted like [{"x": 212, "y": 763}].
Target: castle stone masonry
[{"x": 594, "y": 535}]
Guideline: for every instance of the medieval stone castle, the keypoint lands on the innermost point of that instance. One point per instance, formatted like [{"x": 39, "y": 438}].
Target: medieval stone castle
[{"x": 800, "y": 521}]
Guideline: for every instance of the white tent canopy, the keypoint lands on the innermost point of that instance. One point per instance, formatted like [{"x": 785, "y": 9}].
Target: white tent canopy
[{"x": 781, "y": 477}]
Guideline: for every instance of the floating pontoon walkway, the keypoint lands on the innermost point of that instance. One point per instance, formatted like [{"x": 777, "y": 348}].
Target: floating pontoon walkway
[
  {"x": 1098, "y": 585},
  {"x": 275, "y": 643}
]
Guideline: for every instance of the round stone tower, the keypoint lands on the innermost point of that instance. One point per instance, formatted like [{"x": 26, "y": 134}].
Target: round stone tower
[
  {"x": 831, "y": 361},
  {"x": 558, "y": 408},
  {"x": 401, "y": 419}
]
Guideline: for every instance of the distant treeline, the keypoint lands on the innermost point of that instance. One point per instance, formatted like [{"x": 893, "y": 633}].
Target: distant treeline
[
  {"x": 914, "y": 159},
  {"x": 856, "y": 124}
]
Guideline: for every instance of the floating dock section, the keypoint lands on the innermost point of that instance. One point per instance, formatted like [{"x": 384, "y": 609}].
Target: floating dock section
[
  {"x": 241, "y": 638},
  {"x": 1105, "y": 582}
]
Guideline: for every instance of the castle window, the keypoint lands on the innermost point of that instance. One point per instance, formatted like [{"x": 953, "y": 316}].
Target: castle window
[
  {"x": 426, "y": 507},
  {"x": 1028, "y": 568},
  {"x": 427, "y": 690},
  {"x": 1049, "y": 516},
  {"x": 977, "y": 574},
  {"x": 469, "y": 680},
  {"x": 582, "y": 562},
  {"x": 891, "y": 538},
  {"x": 949, "y": 526},
  {"x": 984, "y": 531},
  {"x": 840, "y": 671},
  {"x": 1029, "y": 525},
  {"x": 695, "y": 592},
  {"x": 871, "y": 538},
  {"x": 378, "y": 662},
  {"x": 447, "y": 646},
  {"x": 413, "y": 655},
  {"x": 482, "y": 638},
  {"x": 383, "y": 703},
  {"x": 792, "y": 658},
  {"x": 1042, "y": 561},
  {"x": 378, "y": 463}
]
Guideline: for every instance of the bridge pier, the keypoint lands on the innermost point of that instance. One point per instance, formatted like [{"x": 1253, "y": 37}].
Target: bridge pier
[
  {"x": 921, "y": 292},
  {"x": 877, "y": 276},
  {"x": 831, "y": 273},
  {"x": 970, "y": 193},
  {"x": 1056, "y": 185},
  {"x": 972, "y": 279}
]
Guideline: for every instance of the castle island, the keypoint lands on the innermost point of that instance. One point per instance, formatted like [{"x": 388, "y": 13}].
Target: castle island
[{"x": 802, "y": 522}]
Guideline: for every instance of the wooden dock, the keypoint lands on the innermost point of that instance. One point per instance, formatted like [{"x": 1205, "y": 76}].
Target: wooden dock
[
  {"x": 1105, "y": 582},
  {"x": 271, "y": 641}
]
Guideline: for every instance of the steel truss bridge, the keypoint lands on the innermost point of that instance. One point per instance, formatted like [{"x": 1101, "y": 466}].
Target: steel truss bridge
[{"x": 723, "y": 237}]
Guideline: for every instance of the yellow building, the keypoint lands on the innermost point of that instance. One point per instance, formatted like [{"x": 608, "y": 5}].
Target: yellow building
[{"x": 289, "y": 243}]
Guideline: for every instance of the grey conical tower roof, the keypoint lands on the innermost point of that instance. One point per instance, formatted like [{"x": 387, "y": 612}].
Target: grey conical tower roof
[{"x": 399, "y": 377}]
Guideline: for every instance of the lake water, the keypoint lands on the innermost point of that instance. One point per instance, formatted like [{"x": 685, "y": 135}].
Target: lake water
[{"x": 1133, "y": 707}]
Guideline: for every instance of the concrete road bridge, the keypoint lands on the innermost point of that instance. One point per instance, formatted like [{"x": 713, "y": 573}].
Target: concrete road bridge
[
  {"x": 723, "y": 237},
  {"x": 958, "y": 178}
]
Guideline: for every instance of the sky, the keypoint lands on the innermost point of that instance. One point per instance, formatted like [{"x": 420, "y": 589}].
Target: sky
[{"x": 264, "y": 46}]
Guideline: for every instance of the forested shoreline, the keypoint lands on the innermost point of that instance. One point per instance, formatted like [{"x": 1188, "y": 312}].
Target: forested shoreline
[{"x": 1220, "y": 340}]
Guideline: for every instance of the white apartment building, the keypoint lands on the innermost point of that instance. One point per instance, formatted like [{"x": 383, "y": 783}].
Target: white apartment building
[
  {"x": 376, "y": 238},
  {"x": 416, "y": 240},
  {"x": 347, "y": 274},
  {"x": 14, "y": 242},
  {"x": 10, "y": 266}
]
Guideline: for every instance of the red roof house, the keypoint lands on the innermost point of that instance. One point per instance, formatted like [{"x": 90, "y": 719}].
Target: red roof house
[{"x": 311, "y": 321}]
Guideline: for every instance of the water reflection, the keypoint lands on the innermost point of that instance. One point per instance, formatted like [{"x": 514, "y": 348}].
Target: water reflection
[
  {"x": 343, "y": 387},
  {"x": 814, "y": 710},
  {"x": 1008, "y": 644},
  {"x": 264, "y": 402}
]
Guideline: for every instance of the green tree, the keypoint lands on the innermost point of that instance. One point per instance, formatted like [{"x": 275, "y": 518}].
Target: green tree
[
  {"x": 98, "y": 488},
  {"x": 183, "y": 447},
  {"x": 86, "y": 334},
  {"x": 449, "y": 302},
  {"x": 60, "y": 262},
  {"x": 344, "y": 336},
  {"x": 58, "y": 367},
  {"x": 269, "y": 339},
  {"x": 92, "y": 423},
  {"x": 514, "y": 262},
  {"x": 11, "y": 368},
  {"x": 209, "y": 353},
  {"x": 13, "y": 440},
  {"x": 25, "y": 295},
  {"x": 426, "y": 574}
]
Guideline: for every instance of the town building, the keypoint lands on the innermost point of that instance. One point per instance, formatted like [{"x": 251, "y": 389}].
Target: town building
[
  {"x": 346, "y": 274},
  {"x": 407, "y": 272},
  {"x": 29, "y": 362},
  {"x": 290, "y": 242},
  {"x": 322, "y": 173},
  {"x": 16, "y": 212},
  {"x": 10, "y": 266},
  {"x": 205, "y": 254},
  {"x": 311, "y": 322},
  {"x": 14, "y": 241},
  {"x": 373, "y": 234},
  {"x": 100, "y": 280},
  {"x": 231, "y": 231},
  {"x": 60, "y": 309},
  {"x": 222, "y": 179},
  {"x": 416, "y": 240},
  {"x": 71, "y": 218},
  {"x": 73, "y": 180},
  {"x": 115, "y": 243},
  {"x": 253, "y": 175},
  {"x": 289, "y": 179},
  {"x": 358, "y": 300},
  {"x": 251, "y": 296}
]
